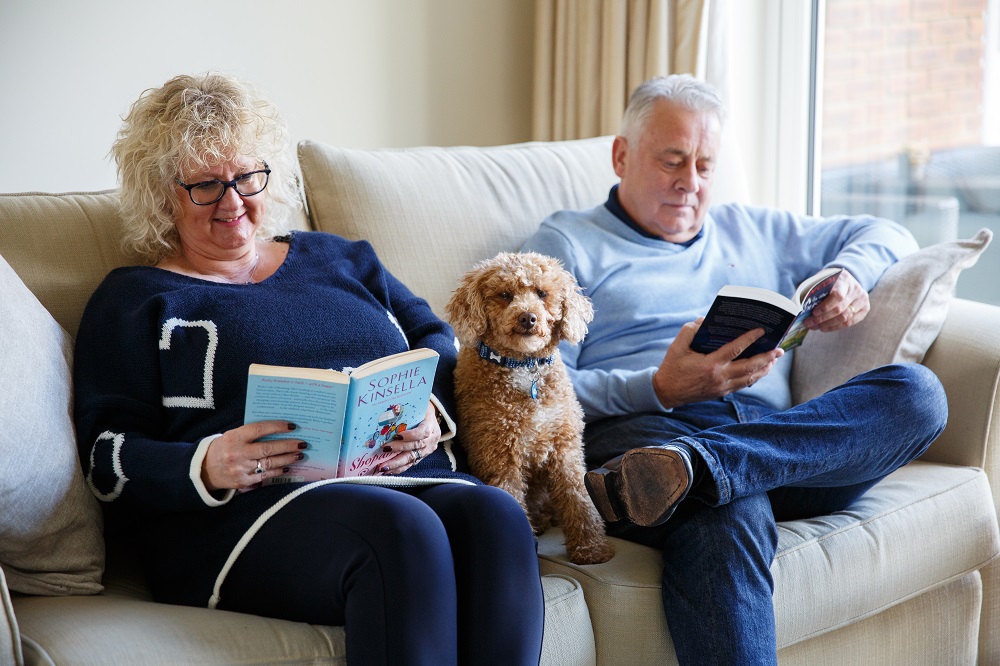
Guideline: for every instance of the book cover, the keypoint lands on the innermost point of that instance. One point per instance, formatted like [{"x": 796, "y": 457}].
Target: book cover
[
  {"x": 336, "y": 411},
  {"x": 315, "y": 400},
  {"x": 737, "y": 310},
  {"x": 386, "y": 399}
]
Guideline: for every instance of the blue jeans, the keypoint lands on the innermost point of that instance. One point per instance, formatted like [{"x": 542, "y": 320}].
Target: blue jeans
[{"x": 761, "y": 466}]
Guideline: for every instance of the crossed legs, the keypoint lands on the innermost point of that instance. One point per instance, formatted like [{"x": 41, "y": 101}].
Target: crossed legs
[{"x": 752, "y": 466}]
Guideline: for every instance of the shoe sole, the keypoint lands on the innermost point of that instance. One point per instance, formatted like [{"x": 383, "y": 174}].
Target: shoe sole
[{"x": 652, "y": 481}]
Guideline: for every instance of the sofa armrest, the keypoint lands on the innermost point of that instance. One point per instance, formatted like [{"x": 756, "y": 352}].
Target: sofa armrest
[
  {"x": 10, "y": 637},
  {"x": 966, "y": 357}
]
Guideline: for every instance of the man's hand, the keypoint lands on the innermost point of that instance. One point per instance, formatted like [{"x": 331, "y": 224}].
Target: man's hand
[
  {"x": 847, "y": 304},
  {"x": 687, "y": 376}
]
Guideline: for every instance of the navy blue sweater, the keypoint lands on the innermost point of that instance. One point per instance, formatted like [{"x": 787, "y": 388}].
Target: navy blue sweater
[{"x": 161, "y": 365}]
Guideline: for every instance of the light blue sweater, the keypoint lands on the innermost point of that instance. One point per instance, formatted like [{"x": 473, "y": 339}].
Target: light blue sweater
[{"x": 645, "y": 289}]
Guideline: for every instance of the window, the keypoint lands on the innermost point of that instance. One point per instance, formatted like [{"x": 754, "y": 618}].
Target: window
[{"x": 910, "y": 120}]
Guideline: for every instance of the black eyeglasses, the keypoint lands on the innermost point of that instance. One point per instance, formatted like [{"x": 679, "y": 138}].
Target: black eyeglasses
[{"x": 211, "y": 191}]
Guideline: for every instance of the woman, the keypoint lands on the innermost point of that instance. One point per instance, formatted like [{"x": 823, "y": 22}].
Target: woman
[{"x": 426, "y": 565}]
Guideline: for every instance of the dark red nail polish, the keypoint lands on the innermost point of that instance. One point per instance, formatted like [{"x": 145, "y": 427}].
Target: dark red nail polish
[
  {"x": 387, "y": 449},
  {"x": 292, "y": 426},
  {"x": 303, "y": 445},
  {"x": 299, "y": 456}
]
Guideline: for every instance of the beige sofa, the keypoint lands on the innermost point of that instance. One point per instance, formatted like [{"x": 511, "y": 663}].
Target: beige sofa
[{"x": 905, "y": 576}]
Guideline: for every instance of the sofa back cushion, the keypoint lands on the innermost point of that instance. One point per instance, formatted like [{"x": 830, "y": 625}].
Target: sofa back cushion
[
  {"x": 62, "y": 246},
  {"x": 431, "y": 213}
]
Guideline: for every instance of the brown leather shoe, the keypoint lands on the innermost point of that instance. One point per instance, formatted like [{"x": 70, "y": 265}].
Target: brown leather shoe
[{"x": 644, "y": 485}]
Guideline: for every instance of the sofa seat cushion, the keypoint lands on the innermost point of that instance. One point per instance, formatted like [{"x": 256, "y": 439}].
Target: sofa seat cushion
[
  {"x": 113, "y": 629},
  {"x": 924, "y": 525},
  {"x": 123, "y": 627}
]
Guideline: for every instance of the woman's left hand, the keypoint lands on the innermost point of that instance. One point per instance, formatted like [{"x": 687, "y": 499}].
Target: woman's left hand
[{"x": 412, "y": 445}]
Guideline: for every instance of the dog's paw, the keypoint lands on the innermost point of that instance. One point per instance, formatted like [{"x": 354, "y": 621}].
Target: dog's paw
[
  {"x": 591, "y": 553},
  {"x": 541, "y": 519}
]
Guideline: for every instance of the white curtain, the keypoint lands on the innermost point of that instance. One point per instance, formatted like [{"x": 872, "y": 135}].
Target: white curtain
[{"x": 591, "y": 54}]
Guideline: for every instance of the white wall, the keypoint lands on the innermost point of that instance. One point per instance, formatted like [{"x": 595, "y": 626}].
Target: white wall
[{"x": 360, "y": 73}]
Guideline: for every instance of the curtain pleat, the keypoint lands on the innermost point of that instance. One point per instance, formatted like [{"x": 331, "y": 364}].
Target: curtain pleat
[{"x": 591, "y": 54}]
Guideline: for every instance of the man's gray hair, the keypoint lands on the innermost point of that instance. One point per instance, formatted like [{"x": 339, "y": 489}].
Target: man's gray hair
[{"x": 681, "y": 89}]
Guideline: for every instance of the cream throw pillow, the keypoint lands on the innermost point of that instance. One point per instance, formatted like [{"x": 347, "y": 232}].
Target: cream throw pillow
[
  {"x": 908, "y": 308},
  {"x": 51, "y": 539}
]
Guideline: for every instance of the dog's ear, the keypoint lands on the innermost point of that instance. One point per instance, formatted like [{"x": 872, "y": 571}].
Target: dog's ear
[
  {"x": 578, "y": 311},
  {"x": 466, "y": 310}
]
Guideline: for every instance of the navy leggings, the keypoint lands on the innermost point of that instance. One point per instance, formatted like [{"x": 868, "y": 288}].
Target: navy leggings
[{"x": 440, "y": 574}]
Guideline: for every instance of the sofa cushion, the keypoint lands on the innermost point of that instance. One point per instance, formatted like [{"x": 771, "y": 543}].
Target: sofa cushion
[
  {"x": 116, "y": 628},
  {"x": 50, "y": 524},
  {"x": 908, "y": 308},
  {"x": 62, "y": 246},
  {"x": 473, "y": 202},
  {"x": 924, "y": 525}
]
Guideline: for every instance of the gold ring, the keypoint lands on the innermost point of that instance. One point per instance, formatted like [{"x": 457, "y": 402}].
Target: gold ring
[{"x": 850, "y": 307}]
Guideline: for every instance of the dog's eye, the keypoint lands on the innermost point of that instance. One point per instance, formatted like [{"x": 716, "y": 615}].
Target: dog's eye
[
  {"x": 505, "y": 296},
  {"x": 541, "y": 293}
]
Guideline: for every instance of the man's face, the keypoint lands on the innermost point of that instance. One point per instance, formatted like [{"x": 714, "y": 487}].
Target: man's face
[{"x": 666, "y": 171}]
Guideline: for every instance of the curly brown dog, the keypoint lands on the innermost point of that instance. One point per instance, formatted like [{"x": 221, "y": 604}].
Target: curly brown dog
[{"x": 519, "y": 417}]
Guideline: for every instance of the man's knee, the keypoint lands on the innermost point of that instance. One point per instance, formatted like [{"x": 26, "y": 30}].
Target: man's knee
[
  {"x": 912, "y": 399},
  {"x": 917, "y": 396}
]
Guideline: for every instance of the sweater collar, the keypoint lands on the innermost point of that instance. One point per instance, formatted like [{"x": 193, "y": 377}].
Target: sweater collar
[
  {"x": 614, "y": 205},
  {"x": 489, "y": 354}
]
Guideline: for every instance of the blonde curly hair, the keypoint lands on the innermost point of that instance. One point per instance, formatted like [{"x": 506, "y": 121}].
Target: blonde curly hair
[{"x": 197, "y": 122}]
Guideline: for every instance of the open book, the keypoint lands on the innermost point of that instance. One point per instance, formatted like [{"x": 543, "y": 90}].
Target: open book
[
  {"x": 344, "y": 417},
  {"x": 737, "y": 310}
]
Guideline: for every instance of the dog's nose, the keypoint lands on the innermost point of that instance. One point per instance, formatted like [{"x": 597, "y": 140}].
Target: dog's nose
[{"x": 527, "y": 320}]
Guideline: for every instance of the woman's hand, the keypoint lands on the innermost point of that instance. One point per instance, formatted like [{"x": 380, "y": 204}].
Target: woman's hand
[
  {"x": 410, "y": 446},
  {"x": 233, "y": 458}
]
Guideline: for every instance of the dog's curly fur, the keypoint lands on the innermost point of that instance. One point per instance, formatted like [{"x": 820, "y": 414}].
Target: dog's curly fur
[{"x": 521, "y": 305}]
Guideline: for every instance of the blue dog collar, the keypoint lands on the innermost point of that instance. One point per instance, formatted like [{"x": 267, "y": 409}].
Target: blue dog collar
[{"x": 487, "y": 353}]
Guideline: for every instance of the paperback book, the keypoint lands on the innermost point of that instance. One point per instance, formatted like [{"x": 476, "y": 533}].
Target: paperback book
[
  {"x": 345, "y": 418},
  {"x": 737, "y": 310}
]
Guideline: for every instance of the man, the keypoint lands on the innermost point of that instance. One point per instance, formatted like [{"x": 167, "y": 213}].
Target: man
[{"x": 700, "y": 454}]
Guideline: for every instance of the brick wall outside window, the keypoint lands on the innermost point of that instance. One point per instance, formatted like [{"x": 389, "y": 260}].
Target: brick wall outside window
[{"x": 901, "y": 75}]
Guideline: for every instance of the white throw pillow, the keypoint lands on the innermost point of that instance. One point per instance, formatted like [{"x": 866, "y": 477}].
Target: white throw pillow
[
  {"x": 908, "y": 308},
  {"x": 51, "y": 539}
]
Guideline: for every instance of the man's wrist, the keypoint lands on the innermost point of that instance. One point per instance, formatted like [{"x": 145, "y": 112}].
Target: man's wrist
[{"x": 662, "y": 392}]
